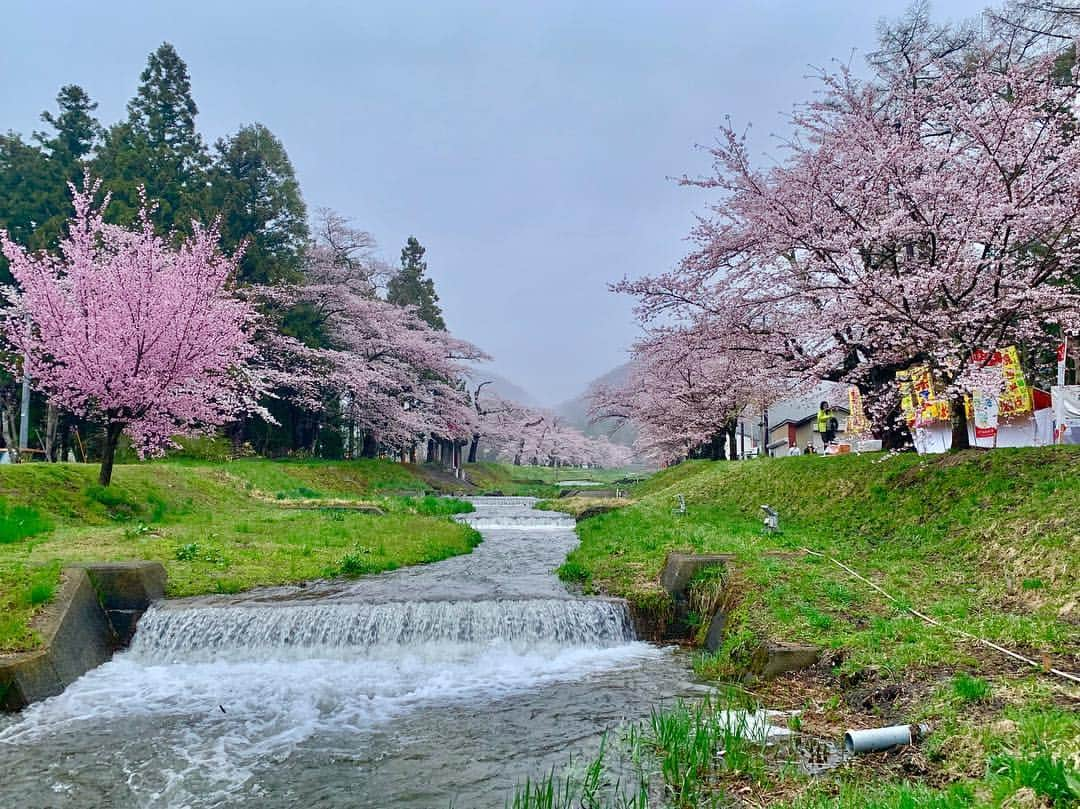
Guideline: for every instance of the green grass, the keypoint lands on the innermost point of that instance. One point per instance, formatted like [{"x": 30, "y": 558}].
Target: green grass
[
  {"x": 217, "y": 527},
  {"x": 956, "y": 537},
  {"x": 982, "y": 541},
  {"x": 19, "y": 522},
  {"x": 703, "y": 754},
  {"x": 971, "y": 689}
]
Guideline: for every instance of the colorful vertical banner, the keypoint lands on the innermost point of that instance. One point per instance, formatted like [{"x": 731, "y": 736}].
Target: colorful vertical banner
[
  {"x": 857, "y": 423},
  {"x": 985, "y": 407},
  {"x": 919, "y": 400},
  {"x": 1016, "y": 396}
]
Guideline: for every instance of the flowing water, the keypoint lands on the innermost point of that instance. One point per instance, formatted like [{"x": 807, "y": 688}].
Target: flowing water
[{"x": 426, "y": 687}]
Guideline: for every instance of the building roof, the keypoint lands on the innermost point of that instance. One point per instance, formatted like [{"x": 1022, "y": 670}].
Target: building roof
[{"x": 799, "y": 409}]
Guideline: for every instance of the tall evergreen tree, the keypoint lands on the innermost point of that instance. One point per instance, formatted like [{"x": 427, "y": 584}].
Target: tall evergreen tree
[
  {"x": 76, "y": 130},
  {"x": 158, "y": 147},
  {"x": 76, "y": 133},
  {"x": 25, "y": 202},
  {"x": 34, "y": 197},
  {"x": 410, "y": 287},
  {"x": 254, "y": 188}
]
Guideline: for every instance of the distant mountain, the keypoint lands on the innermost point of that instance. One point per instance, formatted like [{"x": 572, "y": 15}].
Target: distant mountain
[
  {"x": 576, "y": 410},
  {"x": 500, "y": 386}
]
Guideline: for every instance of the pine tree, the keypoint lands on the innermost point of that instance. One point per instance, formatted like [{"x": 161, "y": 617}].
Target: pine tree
[
  {"x": 25, "y": 202},
  {"x": 77, "y": 131},
  {"x": 410, "y": 287},
  {"x": 254, "y": 188},
  {"x": 34, "y": 197},
  {"x": 158, "y": 147}
]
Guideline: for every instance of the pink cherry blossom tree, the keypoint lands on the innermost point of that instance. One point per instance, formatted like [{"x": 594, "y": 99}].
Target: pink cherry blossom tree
[
  {"x": 127, "y": 330},
  {"x": 920, "y": 216},
  {"x": 397, "y": 380}
]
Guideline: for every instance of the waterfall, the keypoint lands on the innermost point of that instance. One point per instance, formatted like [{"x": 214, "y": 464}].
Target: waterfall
[{"x": 353, "y": 628}]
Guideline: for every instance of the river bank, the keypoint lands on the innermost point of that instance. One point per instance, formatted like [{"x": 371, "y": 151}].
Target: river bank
[
  {"x": 429, "y": 686},
  {"x": 985, "y": 542},
  {"x": 217, "y": 527}
]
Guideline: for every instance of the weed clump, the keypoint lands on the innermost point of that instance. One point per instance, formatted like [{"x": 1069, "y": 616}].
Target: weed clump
[{"x": 19, "y": 522}]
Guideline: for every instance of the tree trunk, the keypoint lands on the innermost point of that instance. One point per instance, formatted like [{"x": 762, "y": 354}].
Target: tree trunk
[
  {"x": 52, "y": 420},
  {"x": 369, "y": 449},
  {"x": 10, "y": 431},
  {"x": 474, "y": 446},
  {"x": 112, "y": 438},
  {"x": 733, "y": 447},
  {"x": 236, "y": 436},
  {"x": 958, "y": 412}
]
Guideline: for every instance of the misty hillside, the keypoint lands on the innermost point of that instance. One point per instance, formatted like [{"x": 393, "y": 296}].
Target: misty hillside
[
  {"x": 500, "y": 386},
  {"x": 576, "y": 410}
]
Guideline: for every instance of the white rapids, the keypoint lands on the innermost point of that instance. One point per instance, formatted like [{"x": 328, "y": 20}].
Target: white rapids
[{"x": 417, "y": 688}]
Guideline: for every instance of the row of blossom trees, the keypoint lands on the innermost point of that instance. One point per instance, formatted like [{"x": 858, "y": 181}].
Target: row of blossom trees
[
  {"x": 923, "y": 213},
  {"x": 148, "y": 335},
  {"x": 523, "y": 435}
]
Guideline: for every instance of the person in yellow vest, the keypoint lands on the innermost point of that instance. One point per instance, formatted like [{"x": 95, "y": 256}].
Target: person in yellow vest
[{"x": 826, "y": 424}]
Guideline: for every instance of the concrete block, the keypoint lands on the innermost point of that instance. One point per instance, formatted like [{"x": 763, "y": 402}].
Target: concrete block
[
  {"x": 76, "y": 637},
  {"x": 94, "y": 612},
  {"x": 127, "y": 585},
  {"x": 680, "y": 569},
  {"x": 773, "y": 658}
]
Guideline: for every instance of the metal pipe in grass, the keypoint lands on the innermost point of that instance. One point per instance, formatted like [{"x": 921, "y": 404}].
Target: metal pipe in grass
[{"x": 873, "y": 739}]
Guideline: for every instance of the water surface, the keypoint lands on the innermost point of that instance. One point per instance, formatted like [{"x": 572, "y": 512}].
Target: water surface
[{"x": 425, "y": 687}]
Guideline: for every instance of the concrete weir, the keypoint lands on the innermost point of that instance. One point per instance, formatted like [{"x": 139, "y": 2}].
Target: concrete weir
[
  {"x": 94, "y": 613},
  {"x": 771, "y": 658}
]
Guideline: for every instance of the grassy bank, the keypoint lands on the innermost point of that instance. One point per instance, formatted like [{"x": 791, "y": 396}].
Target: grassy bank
[
  {"x": 986, "y": 542},
  {"x": 217, "y": 527}
]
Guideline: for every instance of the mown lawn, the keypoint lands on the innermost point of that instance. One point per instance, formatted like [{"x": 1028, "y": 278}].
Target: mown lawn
[
  {"x": 987, "y": 542},
  {"x": 217, "y": 527}
]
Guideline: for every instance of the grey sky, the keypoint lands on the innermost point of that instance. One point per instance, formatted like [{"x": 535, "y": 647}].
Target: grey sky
[{"x": 527, "y": 145}]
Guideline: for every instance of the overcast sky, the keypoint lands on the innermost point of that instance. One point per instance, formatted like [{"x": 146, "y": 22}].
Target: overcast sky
[{"x": 528, "y": 146}]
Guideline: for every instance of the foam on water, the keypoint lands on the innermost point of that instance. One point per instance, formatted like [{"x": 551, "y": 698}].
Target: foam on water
[
  {"x": 230, "y": 704},
  {"x": 362, "y": 629}
]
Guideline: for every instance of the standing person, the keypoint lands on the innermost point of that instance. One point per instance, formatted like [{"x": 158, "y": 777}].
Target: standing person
[{"x": 826, "y": 424}]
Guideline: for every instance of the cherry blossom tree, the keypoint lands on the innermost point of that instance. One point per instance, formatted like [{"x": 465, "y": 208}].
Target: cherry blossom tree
[
  {"x": 920, "y": 216},
  {"x": 127, "y": 330},
  {"x": 686, "y": 392},
  {"x": 397, "y": 379}
]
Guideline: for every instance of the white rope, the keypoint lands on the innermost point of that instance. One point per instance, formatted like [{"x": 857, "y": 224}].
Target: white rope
[{"x": 946, "y": 627}]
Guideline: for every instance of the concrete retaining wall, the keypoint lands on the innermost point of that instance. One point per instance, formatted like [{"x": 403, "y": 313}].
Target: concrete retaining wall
[
  {"x": 769, "y": 660},
  {"x": 93, "y": 613}
]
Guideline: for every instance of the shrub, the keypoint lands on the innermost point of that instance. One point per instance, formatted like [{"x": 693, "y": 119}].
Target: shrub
[
  {"x": 117, "y": 505},
  {"x": 20, "y": 522}
]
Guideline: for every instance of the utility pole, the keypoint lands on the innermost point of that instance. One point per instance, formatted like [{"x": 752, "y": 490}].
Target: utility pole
[{"x": 24, "y": 411}]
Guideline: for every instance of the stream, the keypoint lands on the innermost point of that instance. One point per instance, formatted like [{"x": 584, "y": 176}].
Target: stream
[{"x": 429, "y": 687}]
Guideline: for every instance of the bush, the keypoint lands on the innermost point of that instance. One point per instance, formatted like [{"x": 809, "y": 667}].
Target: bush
[
  {"x": 20, "y": 522},
  {"x": 117, "y": 505}
]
